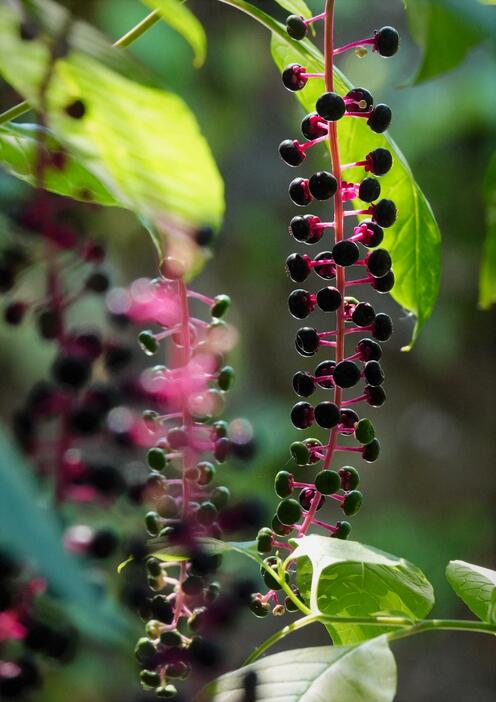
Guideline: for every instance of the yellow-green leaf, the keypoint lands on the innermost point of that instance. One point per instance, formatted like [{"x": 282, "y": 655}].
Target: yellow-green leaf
[{"x": 180, "y": 18}]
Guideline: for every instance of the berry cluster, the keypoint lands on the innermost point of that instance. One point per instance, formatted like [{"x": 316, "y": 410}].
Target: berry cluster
[
  {"x": 302, "y": 497},
  {"x": 187, "y": 445},
  {"x": 26, "y": 638}
]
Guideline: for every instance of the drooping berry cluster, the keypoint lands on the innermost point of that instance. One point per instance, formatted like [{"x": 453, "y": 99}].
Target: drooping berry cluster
[
  {"x": 187, "y": 444},
  {"x": 302, "y": 497}
]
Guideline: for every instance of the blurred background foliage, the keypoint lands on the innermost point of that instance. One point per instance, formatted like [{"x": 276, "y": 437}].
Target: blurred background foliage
[{"x": 431, "y": 497}]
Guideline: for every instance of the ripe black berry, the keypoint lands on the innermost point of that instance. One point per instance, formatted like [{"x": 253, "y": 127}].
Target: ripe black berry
[
  {"x": 386, "y": 41},
  {"x": 329, "y": 299},
  {"x": 363, "y": 314},
  {"x": 327, "y": 482},
  {"x": 379, "y": 263},
  {"x": 291, "y": 152},
  {"x": 303, "y": 384},
  {"x": 330, "y": 106},
  {"x": 373, "y": 236},
  {"x": 346, "y": 374},
  {"x": 380, "y": 119},
  {"x": 345, "y": 253},
  {"x": 348, "y": 417},
  {"x": 379, "y": 161},
  {"x": 327, "y": 415},
  {"x": 384, "y": 284},
  {"x": 385, "y": 213},
  {"x": 326, "y": 270},
  {"x": 322, "y": 185},
  {"x": 359, "y": 95},
  {"x": 383, "y": 327},
  {"x": 298, "y": 267},
  {"x": 296, "y": 27},
  {"x": 307, "y": 341},
  {"x": 374, "y": 375},
  {"x": 292, "y": 79},
  {"x": 369, "y": 350},
  {"x": 303, "y": 229},
  {"x": 376, "y": 396},
  {"x": 299, "y": 192},
  {"x": 73, "y": 371},
  {"x": 306, "y": 498},
  {"x": 325, "y": 369},
  {"x": 302, "y": 415},
  {"x": 300, "y": 303},
  {"x": 369, "y": 190},
  {"x": 312, "y": 126}
]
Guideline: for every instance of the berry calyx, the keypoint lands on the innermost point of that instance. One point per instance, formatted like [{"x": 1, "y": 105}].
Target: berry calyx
[
  {"x": 312, "y": 126},
  {"x": 303, "y": 229},
  {"x": 292, "y": 78},
  {"x": 362, "y": 100}
]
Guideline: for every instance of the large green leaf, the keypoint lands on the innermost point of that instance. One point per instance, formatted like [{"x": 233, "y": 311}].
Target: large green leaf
[
  {"x": 414, "y": 241},
  {"x": 365, "y": 673},
  {"x": 474, "y": 14},
  {"x": 345, "y": 578},
  {"x": 296, "y": 7},
  {"x": 476, "y": 586},
  {"x": 177, "y": 15},
  {"x": 143, "y": 144},
  {"x": 19, "y": 152},
  {"x": 487, "y": 283},
  {"x": 33, "y": 534},
  {"x": 445, "y": 38}
]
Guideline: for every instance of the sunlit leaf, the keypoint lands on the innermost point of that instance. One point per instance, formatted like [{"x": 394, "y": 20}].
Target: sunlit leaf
[
  {"x": 365, "y": 673},
  {"x": 180, "y": 18},
  {"x": 345, "y": 578},
  {"x": 487, "y": 290},
  {"x": 476, "y": 586},
  {"x": 296, "y": 7}
]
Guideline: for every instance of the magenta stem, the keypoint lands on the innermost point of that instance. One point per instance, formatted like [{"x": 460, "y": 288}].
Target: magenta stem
[
  {"x": 311, "y": 20},
  {"x": 203, "y": 298},
  {"x": 353, "y": 45},
  {"x": 359, "y": 281},
  {"x": 311, "y": 75},
  {"x": 320, "y": 523},
  {"x": 311, "y": 143},
  {"x": 354, "y": 400}
]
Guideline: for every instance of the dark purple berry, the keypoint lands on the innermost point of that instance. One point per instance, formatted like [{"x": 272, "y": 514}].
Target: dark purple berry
[
  {"x": 376, "y": 396},
  {"x": 363, "y": 314},
  {"x": 373, "y": 236},
  {"x": 300, "y": 304},
  {"x": 298, "y": 267},
  {"x": 345, "y": 253},
  {"x": 370, "y": 190},
  {"x": 76, "y": 109},
  {"x": 299, "y": 192},
  {"x": 322, "y": 185},
  {"x": 98, "y": 283},
  {"x": 382, "y": 329},
  {"x": 325, "y": 270},
  {"x": 292, "y": 78},
  {"x": 303, "y": 384},
  {"x": 325, "y": 369},
  {"x": 304, "y": 229},
  {"x": 329, "y": 299},
  {"x": 73, "y": 371},
  {"x": 348, "y": 418},
  {"x": 380, "y": 118},
  {"x": 302, "y": 415},
  {"x": 291, "y": 152},
  {"x": 307, "y": 340},
  {"x": 359, "y": 95},
  {"x": 14, "y": 313},
  {"x": 379, "y": 263},
  {"x": 386, "y": 41},
  {"x": 374, "y": 375},
  {"x": 327, "y": 415},
  {"x": 384, "y": 213},
  {"x": 296, "y": 27},
  {"x": 306, "y": 498},
  {"x": 379, "y": 161},
  {"x": 346, "y": 374},
  {"x": 369, "y": 350},
  {"x": 312, "y": 126},
  {"x": 330, "y": 106},
  {"x": 384, "y": 284}
]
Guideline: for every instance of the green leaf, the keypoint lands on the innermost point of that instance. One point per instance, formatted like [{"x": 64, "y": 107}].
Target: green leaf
[
  {"x": 33, "y": 534},
  {"x": 345, "y": 578},
  {"x": 487, "y": 282},
  {"x": 444, "y": 37},
  {"x": 365, "y": 673},
  {"x": 296, "y": 7},
  {"x": 245, "y": 548},
  {"x": 414, "y": 241},
  {"x": 478, "y": 16},
  {"x": 142, "y": 144},
  {"x": 19, "y": 152},
  {"x": 177, "y": 15},
  {"x": 476, "y": 586}
]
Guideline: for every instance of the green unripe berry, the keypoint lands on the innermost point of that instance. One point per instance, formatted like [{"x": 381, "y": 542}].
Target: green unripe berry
[
  {"x": 352, "y": 503},
  {"x": 300, "y": 453},
  {"x": 157, "y": 458},
  {"x": 364, "y": 431},
  {"x": 154, "y": 567},
  {"x": 288, "y": 512},
  {"x": 268, "y": 579},
  {"x": 327, "y": 482},
  {"x": 144, "y": 651},
  {"x": 220, "y": 496},
  {"x": 279, "y": 528},
  {"x": 207, "y": 472},
  {"x": 312, "y": 443},
  {"x": 350, "y": 478},
  {"x": 150, "y": 679},
  {"x": 343, "y": 530},
  {"x": 283, "y": 484},
  {"x": 220, "y": 306},
  {"x": 148, "y": 342},
  {"x": 169, "y": 691},
  {"x": 225, "y": 378},
  {"x": 260, "y": 609},
  {"x": 207, "y": 513},
  {"x": 220, "y": 427},
  {"x": 152, "y": 523},
  {"x": 371, "y": 451},
  {"x": 264, "y": 540},
  {"x": 289, "y": 604}
]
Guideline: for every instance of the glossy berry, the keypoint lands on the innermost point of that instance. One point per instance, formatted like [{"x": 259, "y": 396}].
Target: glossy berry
[
  {"x": 303, "y": 229},
  {"x": 343, "y": 530},
  {"x": 303, "y": 384},
  {"x": 327, "y": 482},
  {"x": 375, "y": 394},
  {"x": 374, "y": 235},
  {"x": 279, "y": 528},
  {"x": 283, "y": 484},
  {"x": 306, "y": 498},
  {"x": 382, "y": 329},
  {"x": 302, "y": 415},
  {"x": 289, "y": 511},
  {"x": 364, "y": 430},
  {"x": 371, "y": 451},
  {"x": 258, "y": 607},
  {"x": 225, "y": 378},
  {"x": 363, "y": 314},
  {"x": 379, "y": 161},
  {"x": 307, "y": 341},
  {"x": 345, "y": 253},
  {"x": 327, "y": 415},
  {"x": 300, "y": 452},
  {"x": 384, "y": 284},
  {"x": 265, "y": 538},
  {"x": 312, "y": 126},
  {"x": 291, "y": 152},
  {"x": 386, "y": 41},
  {"x": 325, "y": 369},
  {"x": 348, "y": 417},
  {"x": 300, "y": 303},
  {"x": 380, "y": 119},
  {"x": 349, "y": 478},
  {"x": 352, "y": 503},
  {"x": 373, "y": 373},
  {"x": 370, "y": 190},
  {"x": 385, "y": 213},
  {"x": 330, "y": 106},
  {"x": 73, "y": 371},
  {"x": 299, "y": 192},
  {"x": 329, "y": 299},
  {"x": 98, "y": 283},
  {"x": 369, "y": 350},
  {"x": 292, "y": 79},
  {"x": 362, "y": 100},
  {"x": 326, "y": 270},
  {"x": 220, "y": 306},
  {"x": 298, "y": 267},
  {"x": 346, "y": 374},
  {"x": 322, "y": 185},
  {"x": 379, "y": 263},
  {"x": 157, "y": 459},
  {"x": 296, "y": 27}
]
